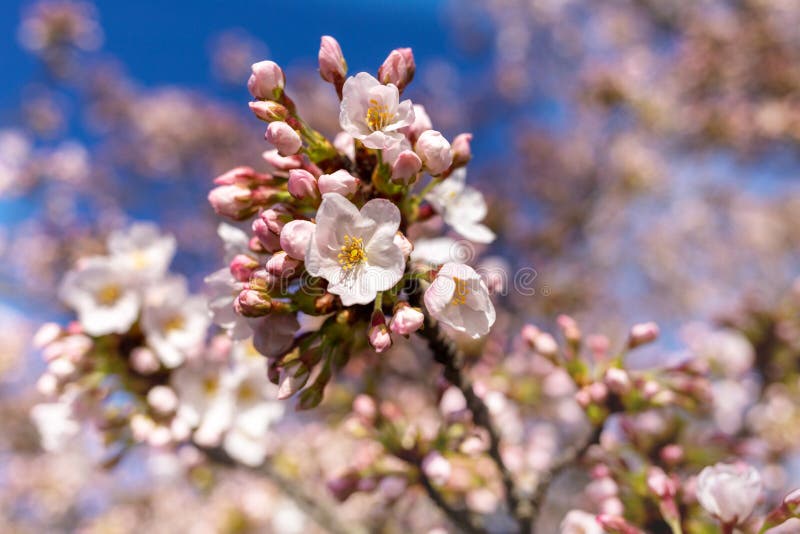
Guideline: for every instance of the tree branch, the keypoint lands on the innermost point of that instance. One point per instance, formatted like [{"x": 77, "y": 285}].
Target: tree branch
[
  {"x": 320, "y": 512},
  {"x": 446, "y": 353},
  {"x": 569, "y": 456}
]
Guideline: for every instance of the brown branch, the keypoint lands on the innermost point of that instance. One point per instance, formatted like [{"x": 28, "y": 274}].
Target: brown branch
[
  {"x": 446, "y": 353},
  {"x": 572, "y": 454},
  {"x": 319, "y": 512}
]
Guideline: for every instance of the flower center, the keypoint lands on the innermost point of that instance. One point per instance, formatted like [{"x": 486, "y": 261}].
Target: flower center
[
  {"x": 378, "y": 116},
  {"x": 460, "y": 293},
  {"x": 352, "y": 253},
  {"x": 174, "y": 323},
  {"x": 109, "y": 294}
]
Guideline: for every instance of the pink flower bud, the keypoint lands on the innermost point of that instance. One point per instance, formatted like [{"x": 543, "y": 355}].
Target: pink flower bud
[
  {"x": 660, "y": 484},
  {"x": 275, "y": 217},
  {"x": 434, "y": 151},
  {"x": 642, "y": 333},
  {"x": 302, "y": 185},
  {"x": 617, "y": 380},
  {"x": 343, "y": 486},
  {"x": 422, "y": 122},
  {"x": 545, "y": 344},
  {"x": 233, "y": 201},
  {"x": 270, "y": 241},
  {"x": 671, "y": 454},
  {"x": 615, "y": 524},
  {"x": 403, "y": 244},
  {"x": 295, "y": 238},
  {"x": 398, "y": 68},
  {"x": 242, "y": 267},
  {"x": 162, "y": 399},
  {"x": 280, "y": 264},
  {"x": 284, "y": 138},
  {"x": 243, "y": 176},
  {"x": 406, "y": 167},
  {"x": 364, "y": 407},
  {"x": 47, "y": 384},
  {"x": 341, "y": 182},
  {"x": 269, "y": 111},
  {"x": 144, "y": 361},
  {"x": 462, "y": 152},
  {"x": 437, "y": 468},
  {"x": 252, "y": 303},
  {"x": 406, "y": 319},
  {"x": 282, "y": 163},
  {"x": 267, "y": 80},
  {"x": 379, "y": 336},
  {"x": 332, "y": 66}
]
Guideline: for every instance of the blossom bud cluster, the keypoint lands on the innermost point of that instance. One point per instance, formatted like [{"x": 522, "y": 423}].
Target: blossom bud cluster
[
  {"x": 140, "y": 335},
  {"x": 326, "y": 229}
]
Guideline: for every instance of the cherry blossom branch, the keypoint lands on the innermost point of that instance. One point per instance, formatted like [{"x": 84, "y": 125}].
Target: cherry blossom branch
[
  {"x": 568, "y": 458},
  {"x": 319, "y": 512},
  {"x": 462, "y": 519},
  {"x": 445, "y": 353}
]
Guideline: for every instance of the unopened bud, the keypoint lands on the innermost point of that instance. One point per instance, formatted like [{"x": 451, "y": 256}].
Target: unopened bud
[
  {"x": 332, "y": 65},
  {"x": 252, "y": 303},
  {"x": 162, "y": 399},
  {"x": 379, "y": 336},
  {"x": 295, "y": 237},
  {"x": 267, "y": 240},
  {"x": 243, "y": 176},
  {"x": 422, "y": 122},
  {"x": 434, "y": 151},
  {"x": 617, "y": 380},
  {"x": 406, "y": 167},
  {"x": 280, "y": 264},
  {"x": 437, "y": 468},
  {"x": 275, "y": 217},
  {"x": 406, "y": 319},
  {"x": 280, "y": 162},
  {"x": 642, "y": 333},
  {"x": 302, "y": 185},
  {"x": 267, "y": 80},
  {"x": 462, "y": 152},
  {"x": 233, "y": 201},
  {"x": 242, "y": 267},
  {"x": 144, "y": 361},
  {"x": 341, "y": 182},
  {"x": 284, "y": 138},
  {"x": 269, "y": 111},
  {"x": 292, "y": 380},
  {"x": 398, "y": 68}
]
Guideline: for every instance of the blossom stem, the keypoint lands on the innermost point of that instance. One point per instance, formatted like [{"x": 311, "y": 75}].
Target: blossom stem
[{"x": 445, "y": 353}]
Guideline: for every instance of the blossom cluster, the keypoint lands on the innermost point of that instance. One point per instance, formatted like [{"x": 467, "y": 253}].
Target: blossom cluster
[
  {"x": 334, "y": 225},
  {"x": 136, "y": 365}
]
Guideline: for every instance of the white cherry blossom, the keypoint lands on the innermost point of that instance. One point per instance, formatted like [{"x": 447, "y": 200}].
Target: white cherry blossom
[
  {"x": 729, "y": 492},
  {"x": 101, "y": 291},
  {"x": 143, "y": 250},
  {"x": 373, "y": 113},
  {"x": 458, "y": 298},
  {"x": 174, "y": 322},
  {"x": 462, "y": 207},
  {"x": 355, "y": 250}
]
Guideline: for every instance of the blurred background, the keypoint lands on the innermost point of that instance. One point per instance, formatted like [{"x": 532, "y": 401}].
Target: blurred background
[{"x": 640, "y": 155}]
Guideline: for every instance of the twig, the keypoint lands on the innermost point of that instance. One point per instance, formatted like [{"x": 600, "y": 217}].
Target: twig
[
  {"x": 320, "y": 512},
  {"x": 445, "y": 353},
  {"x": 570, "y": 455},
  {"x": 463, "y": 519}
]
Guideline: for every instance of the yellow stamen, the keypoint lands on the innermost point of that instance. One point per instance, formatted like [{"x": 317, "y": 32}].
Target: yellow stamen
[
  {"x": 210, "y": 386},
  {"x": 378, "y": 116},
  {"x": 352, "y": 253},
  {"x": 246, "y": 393},
  {"x": 460, "y": 293},
  {"x": 108, "y": 295},
  {"x": 174, "y": 323}
]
